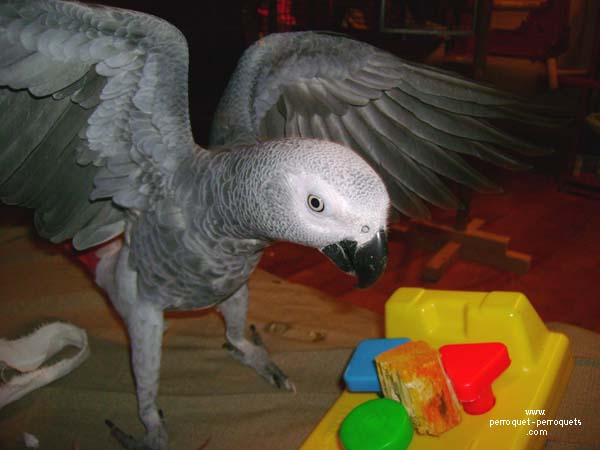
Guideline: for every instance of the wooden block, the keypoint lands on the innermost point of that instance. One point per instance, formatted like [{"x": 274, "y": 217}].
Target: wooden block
[
  {"x": 471, "y": 244},
  {"x": 440, "y": 262},
  {"x": 518, "y": 262},
  {"x": 552, "y": 69},
  {"x": 412, "y": 374},
  {"x": 475, "y": 224}
]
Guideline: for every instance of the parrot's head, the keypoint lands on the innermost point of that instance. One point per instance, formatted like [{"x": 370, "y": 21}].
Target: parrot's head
[{"x": 326, "y": 196}]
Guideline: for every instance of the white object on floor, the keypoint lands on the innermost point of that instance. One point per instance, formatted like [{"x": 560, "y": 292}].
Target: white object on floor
[
  {"x": 28, "y": 353},
  {"x": 30, "y": 440}
]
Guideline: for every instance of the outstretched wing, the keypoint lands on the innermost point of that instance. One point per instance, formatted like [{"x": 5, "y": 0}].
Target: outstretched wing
[
  {"x": 93, "y": 114},
  {"x": 412, "y": 122}
]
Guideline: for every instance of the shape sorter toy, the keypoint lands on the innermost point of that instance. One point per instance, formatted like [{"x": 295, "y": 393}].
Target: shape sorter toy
[{"x": 540, "y": 367}]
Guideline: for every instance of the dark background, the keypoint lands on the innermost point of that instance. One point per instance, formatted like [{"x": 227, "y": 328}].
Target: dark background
[{"x": 215, "y": 38}]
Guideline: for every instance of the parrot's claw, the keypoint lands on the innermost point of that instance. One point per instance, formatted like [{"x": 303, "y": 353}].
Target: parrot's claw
[
  {"x": 155, "y": 439},
  {"x": 253, "y": 354},
  {"x": 276, "y": 377}
]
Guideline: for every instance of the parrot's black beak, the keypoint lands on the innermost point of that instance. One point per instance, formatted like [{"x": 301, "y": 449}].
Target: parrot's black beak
[{"x": 367, "y": 262}]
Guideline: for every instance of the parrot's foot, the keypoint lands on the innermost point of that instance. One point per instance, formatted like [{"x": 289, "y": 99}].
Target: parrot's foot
[
  {"x": 253, "y": 354},
  {"x": 155, "y": 439}
]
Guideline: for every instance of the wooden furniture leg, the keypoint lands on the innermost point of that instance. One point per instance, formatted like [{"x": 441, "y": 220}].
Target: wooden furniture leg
[{"x": 450, "y": 243}]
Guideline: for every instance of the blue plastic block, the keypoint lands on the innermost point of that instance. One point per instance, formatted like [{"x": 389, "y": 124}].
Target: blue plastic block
[{"x": 361, "y": 374}]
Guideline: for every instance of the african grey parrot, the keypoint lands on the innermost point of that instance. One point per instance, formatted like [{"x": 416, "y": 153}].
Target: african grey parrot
[{"x": 95, "y": 136}]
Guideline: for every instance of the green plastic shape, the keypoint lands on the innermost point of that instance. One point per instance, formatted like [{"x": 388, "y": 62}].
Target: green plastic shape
[{"x": 378, "y": 424}]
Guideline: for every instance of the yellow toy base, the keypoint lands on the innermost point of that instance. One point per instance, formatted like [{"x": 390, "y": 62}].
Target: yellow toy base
[{"x": 527, "y": 393}]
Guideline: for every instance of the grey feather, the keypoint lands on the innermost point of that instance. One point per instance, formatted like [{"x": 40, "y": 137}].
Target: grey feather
[
  {"x": 344, "y": 93},
  {"x": 17, "y": 75},
  {"x": 62, "y": 203},
  {"x": 304, "y": 126},
  {"x": 299, "y": 96},
  {"x": 15, "y": 27},
  {"x": 124, "y": 59},
  {"x": 319, "y": 128},
  {"x": 11, "y": 53},
  {"x": 100, "y": 61},
  {"x": 68, "y": 91},
  {"x": 62, "y": 136},
  {"x": 131, "y": 198},
  {"x": 106, "y": 184},
  {"x": 449, "y": 141},
  {"x": 498, "y": 157},
  {"x": 51, "y": 40},
  {"x": 72, "y": 46},
  {"x": 325, "y": 101},
  {"x": 374, "y": 80},
  {"x": 88, "y": 96},
  {"x": 61, "y": 79},
  {"x": 338, "y": 133},
  {"x": 273, "y": 124},
  {"x": 437, "y": 82},
  {"x": 350, "y": 84},
  {"x": 79, "y": 218},
  {"x": 463, "y": 126},
  {"x": 518, "y": 110},
  {"x": 106, "y": 224},
  {"x": 102, "y": 48},
  {"x": 41, "y": 199},
  {"x": 30, "y": 36},
  {"x": 87, "y": 156},
  {"x": 426, "y": 152},
  {"x": 34, "y": 120},
  {"x": 403, "y": 199}
]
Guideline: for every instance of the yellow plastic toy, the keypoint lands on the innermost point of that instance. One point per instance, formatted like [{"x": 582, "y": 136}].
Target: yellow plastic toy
[{"x": 527, "y": 393}]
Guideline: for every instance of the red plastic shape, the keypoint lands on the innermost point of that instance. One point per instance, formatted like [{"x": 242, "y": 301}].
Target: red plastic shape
[{"x": 472, "y": 368}]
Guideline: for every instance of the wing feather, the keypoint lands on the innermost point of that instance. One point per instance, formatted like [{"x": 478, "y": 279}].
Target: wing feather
[
  {"x": 438, "y": 82},
  {"x": 426, "y": 152},
  {"x": 319, "y": 128},
  {"x": 327, "y": 102},
  {"x": 105, "y": 223},
  {"x": 94, "y": 111},
  {"x": 461, "y": 126},
  {"x": 338, "y": 132},
  {"x": 403, "y": 199},
  {"x": 344, "y": 93},
  {"x": 11, "y": 53},
  {"x": 29, "y": 124},
  {"x": 18, "y": 189}
]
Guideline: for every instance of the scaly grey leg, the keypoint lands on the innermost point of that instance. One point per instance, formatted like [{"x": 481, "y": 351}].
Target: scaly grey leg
[
  {"x": 145, "y": 325},
  {"x": 250, "y": 352}
]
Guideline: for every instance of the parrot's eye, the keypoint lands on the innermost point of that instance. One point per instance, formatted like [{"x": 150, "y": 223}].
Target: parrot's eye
[{"x": 315, "y": 203}]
